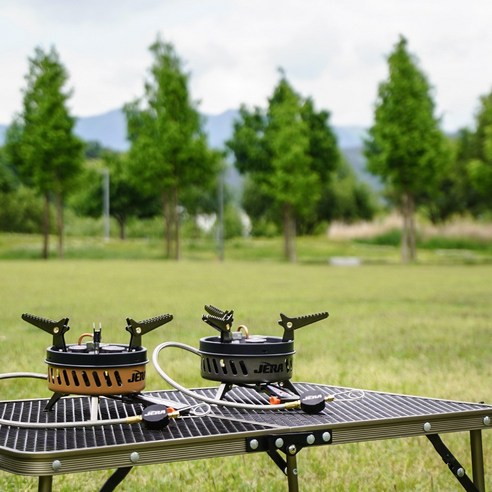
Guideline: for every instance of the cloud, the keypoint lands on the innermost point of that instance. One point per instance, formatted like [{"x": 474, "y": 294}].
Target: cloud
[{"x": 333, "y": 51}]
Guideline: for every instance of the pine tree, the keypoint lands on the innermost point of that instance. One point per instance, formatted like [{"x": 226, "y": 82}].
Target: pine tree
[
  {"x": 480, "y": 163},
  {"x": 45, "y": 148},
  {"x": 406, "y": 147},
  {"x": 168, "y": 150},
  {"x": 288, "y": 153},
  {"x": 291, "y": 182}
]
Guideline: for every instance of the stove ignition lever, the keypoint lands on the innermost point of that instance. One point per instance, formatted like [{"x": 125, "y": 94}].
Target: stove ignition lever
[
  {"x": 139, "y": 328},
  {"x": 291, "y": 324},
  {"x": 55, "y": 328}
]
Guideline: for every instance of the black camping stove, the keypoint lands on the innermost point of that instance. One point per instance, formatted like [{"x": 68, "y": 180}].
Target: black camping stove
[
  {"x": 94, "y": 368},
  {"x": 239, "y": 358}
]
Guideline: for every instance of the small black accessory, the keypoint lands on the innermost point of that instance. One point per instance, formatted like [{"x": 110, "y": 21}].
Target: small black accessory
[
  {"x": 312, "y": 402},
  {"x": 155, "y": 417}
]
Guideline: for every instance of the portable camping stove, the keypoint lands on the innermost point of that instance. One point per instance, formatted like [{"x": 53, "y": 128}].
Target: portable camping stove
[
  {"x": 238, "y": 358},
  {"x": 94, "y": 368}
]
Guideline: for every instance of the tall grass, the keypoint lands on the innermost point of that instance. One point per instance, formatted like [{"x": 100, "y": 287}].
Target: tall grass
[{"x": 422, "y": 329}]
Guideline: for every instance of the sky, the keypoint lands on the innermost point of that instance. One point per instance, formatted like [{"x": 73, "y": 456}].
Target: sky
[{"x": 334, "y": 51}]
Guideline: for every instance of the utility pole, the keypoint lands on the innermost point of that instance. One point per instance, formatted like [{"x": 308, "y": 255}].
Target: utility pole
[
  {"x": 220, "y": 219},
  {"x": 106, "y": 216}
]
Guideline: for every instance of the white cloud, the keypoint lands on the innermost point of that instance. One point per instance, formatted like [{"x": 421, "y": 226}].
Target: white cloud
[{"x": 331, "y": 50}]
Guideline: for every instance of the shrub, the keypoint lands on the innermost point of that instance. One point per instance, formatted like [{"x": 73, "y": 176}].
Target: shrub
[{"x": 20, "y": 211}]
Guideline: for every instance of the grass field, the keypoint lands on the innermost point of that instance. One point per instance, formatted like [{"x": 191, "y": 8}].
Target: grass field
[
  {"x": 421, "y": 329},
  {"x": 381, "y": 247}
]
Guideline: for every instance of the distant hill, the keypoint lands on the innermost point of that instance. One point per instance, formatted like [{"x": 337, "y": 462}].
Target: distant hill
[
  {"x": 219, "y": 129},
  {"x": 356, "y": 159},
  {"x": 109, "y": 129}
]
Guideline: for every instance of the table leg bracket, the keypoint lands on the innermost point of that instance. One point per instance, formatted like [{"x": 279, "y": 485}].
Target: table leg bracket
[{"x": 290, "y": 444}]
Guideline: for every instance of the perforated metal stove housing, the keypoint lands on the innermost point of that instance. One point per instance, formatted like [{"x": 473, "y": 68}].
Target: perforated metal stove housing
[
  {"x": 247, "y": 361},
  {"x": 113, "y": 370}
]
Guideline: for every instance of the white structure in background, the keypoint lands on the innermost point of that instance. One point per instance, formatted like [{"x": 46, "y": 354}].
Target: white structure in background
[{"x": 206, "y": 222}]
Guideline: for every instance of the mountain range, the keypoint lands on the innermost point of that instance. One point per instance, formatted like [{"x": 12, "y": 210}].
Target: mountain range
[{"x": 109, "y": 129}]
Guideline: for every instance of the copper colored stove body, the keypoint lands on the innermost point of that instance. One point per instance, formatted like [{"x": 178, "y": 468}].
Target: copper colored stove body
[
  {"x": 95, "y": 368},
  {"x": 113, "y": 370}
]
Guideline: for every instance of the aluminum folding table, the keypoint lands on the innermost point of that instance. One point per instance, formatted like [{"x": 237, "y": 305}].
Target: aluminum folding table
[{"x": 45, "y": 453}]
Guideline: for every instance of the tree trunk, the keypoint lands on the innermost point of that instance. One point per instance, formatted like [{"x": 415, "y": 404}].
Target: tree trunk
[
  {"x": 46, "y": 226},
  {"x": 408, "y": 240},
  {"x": 171, "y": 223},
  {"x": 177, "y": 252},
  {"x": 59, "y": 223},
  {"x": 289, "y": 234},
  {"x": 121, "y": 220},
  {"x": 167, "y": 228}
]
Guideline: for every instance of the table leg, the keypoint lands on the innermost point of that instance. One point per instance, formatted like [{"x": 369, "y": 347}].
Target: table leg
[
  {"x": 477, "y": 459},
  {"x": 292, "y": 473},
  {"x": 45, "y": 484}
]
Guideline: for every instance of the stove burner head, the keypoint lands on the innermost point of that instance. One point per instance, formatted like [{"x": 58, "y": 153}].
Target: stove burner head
[
  {"x": 238, "y": 358},
  {"x": 94, "y": 368}
]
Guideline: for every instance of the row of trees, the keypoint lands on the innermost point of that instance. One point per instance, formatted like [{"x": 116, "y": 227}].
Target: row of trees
[
  {"x": 294, "y": 172},
  {"x": 170, "y": 165},
  {"x": 291, "y": 157},
  {"x": 169, "y": 159}
]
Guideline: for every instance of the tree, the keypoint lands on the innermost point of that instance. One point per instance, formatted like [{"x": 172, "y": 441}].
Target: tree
[
  {"x": 8, "y": 179},
  {"x": 261, "y": 210},
  {"x": 288, "y": 152},
  {"x": 347, "y": 199},
  {"x": 168, "y": 146},
  {"x": 19, "y": 207},
  {"x": 455, "y": 193},
  {"x": 291, "y": 181},
  {"x": 480, "y": 162},
  {"x": 405, "y": 146},
  {"x": 125, "y": 198},
  {"x": 41, "y": 141}
]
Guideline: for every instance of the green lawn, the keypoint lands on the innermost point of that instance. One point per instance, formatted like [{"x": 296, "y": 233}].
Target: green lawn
[
  {"x": 310, "y": 249},
  {"x": 423, "y": 329}
]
